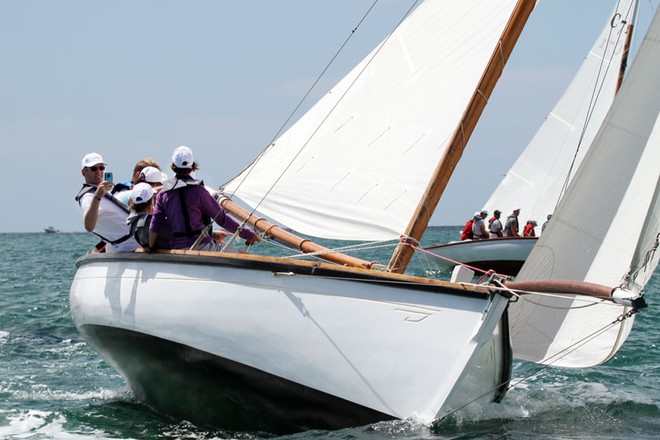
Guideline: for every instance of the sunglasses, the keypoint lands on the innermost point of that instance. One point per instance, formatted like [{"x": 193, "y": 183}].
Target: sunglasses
[{"x": 97, "y": 168}]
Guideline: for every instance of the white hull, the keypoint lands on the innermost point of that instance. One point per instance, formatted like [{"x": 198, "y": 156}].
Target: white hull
[
  {"x": 504, "y": 255},
  {"x": 213, "y": 340}
]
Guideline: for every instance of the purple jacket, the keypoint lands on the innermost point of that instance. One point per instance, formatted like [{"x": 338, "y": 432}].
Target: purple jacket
[{"x": 200, "y": 206}]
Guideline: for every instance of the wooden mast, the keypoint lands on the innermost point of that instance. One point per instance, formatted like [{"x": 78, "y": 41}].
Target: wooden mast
[
  {"x": 626, "y": 51},
  {"x": 452, "y": 154}
]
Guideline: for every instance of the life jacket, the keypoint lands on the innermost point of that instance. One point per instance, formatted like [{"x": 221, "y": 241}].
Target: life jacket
[
  {"x": 529, "y": 230},
  {"x": 179, "y": 185},
  {"x": 499, "y": 232},
  {"x": 89, "y": 188},
  {"x": 137, "y": 221},
  {"x": 466, "y": 233}
]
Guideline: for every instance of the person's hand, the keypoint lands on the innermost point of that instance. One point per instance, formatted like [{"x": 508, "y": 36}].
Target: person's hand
[
  {"x": 103, "y": 188},
  {"x": 218, "y": 236},
  {"x": 255, "y": 239}
]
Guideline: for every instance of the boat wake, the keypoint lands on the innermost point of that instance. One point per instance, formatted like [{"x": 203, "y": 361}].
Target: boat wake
[{"x": 39, "y": 424}]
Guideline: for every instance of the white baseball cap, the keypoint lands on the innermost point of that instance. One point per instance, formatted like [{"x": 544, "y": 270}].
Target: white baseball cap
[
  {"x": 183, "y": 157},
  {"x": 92, "y": 159},
  {"x": 153, "y": 175},
  {"x": 142, "y": 193}
]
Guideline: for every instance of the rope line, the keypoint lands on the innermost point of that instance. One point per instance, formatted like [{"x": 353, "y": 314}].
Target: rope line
[{"x": 343, "y": 249}]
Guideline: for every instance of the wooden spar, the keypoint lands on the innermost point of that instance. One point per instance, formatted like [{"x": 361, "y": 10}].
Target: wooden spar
[
  {"x": 279, "y": 234},
  {"x": 624, "y": 58},
  {"x": 568, "y": 287},
  {"x": 421, "y": 217}
]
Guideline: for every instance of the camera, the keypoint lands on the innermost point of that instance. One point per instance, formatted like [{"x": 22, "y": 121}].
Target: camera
[{"x": 107, "y": 176}]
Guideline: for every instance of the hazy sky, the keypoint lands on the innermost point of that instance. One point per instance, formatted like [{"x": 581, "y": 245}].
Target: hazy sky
[{"x": 134, "y": 79}]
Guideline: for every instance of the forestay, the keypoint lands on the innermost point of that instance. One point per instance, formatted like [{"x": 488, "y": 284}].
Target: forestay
[
  {"x": 357, "y": 164},
  {"x": 606, "y": 222},
  {"x": 536, "y": 179}
]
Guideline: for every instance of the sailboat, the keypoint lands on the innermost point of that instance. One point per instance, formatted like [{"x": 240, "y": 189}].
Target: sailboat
[
  {"x": 280, "y": 344},
  {"x": 611, "y": 215},
  {"x": 539, "y": 176}
]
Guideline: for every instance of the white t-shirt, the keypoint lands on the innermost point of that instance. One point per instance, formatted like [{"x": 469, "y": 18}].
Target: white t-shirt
[
  {"x": 111, "y": 223},
  {"x": 476, "y": 228}
]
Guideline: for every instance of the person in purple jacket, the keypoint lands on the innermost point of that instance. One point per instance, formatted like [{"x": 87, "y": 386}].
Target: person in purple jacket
[{"x": 189, "y": 208}]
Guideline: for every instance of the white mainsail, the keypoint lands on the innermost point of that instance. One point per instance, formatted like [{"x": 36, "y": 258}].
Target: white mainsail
[
  {"x": 357, "y": 164},
  {"x": 536, "y": 179},
  {"x": 604, "y": 227}
]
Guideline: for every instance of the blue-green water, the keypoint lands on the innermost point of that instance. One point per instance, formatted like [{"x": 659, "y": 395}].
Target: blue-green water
[{"x": 52, "y": 385}]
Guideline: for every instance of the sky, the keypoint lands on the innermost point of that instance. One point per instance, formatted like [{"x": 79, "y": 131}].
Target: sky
[{"x": 134, "y": 79}]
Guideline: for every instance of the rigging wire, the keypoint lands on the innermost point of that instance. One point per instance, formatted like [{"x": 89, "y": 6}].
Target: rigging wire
[
  {"x": 279, "y": 245},
  {"x": 250, "y": 167},
  {"x": 344, "y": 249},
  {"x": 330, "y": 112}
]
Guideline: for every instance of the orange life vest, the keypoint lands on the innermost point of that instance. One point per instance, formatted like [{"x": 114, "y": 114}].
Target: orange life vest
[{"x": 466, "y": 233}]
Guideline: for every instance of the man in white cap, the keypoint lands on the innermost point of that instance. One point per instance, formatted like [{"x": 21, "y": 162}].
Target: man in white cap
[
  {"x": 479, "y": 226},
  {"x": 189, "y": 208},
  {"x": 103, "y": 215}
]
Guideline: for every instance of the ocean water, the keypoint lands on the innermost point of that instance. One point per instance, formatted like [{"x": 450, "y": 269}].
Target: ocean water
[{"x": 52, "y": 385}]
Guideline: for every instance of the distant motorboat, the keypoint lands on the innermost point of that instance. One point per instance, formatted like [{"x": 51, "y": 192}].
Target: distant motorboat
[{"x": 51, "y": 230}]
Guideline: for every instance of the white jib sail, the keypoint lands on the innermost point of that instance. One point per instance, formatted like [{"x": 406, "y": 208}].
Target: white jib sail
[
  {"x": 535, "y": 181},
  {"x": 605, "y": 222},
  {"x": 356, "y": 165}
]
